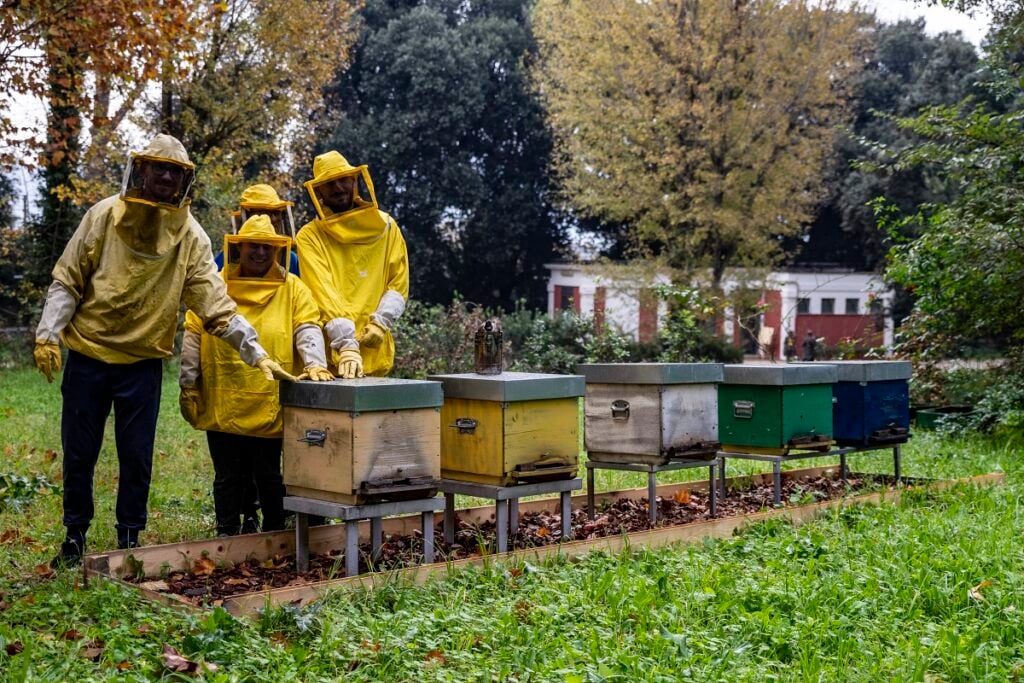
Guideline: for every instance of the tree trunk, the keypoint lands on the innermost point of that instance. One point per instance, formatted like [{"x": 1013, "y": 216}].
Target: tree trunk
[{"x": 60, "y": 215}]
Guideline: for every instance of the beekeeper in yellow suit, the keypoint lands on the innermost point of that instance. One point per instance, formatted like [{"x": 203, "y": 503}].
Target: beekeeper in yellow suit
[
  {"x": 114, "y": 300},
  {"x": 353, "y": 258},
  {"x": 235, "y": 404}
]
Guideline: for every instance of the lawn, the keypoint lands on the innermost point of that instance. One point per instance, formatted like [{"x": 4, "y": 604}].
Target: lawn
[{"x": 929, "y": 589}]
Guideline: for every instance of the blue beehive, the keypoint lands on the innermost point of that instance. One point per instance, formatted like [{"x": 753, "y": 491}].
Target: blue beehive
[{"x": 872, "y": 403}]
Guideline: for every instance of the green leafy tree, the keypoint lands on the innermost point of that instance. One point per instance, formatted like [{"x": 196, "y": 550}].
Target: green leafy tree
[
  {"x": 966, "y": 269},
  {"x": 436, "y": 103},
  {"x": 907, "y": 71}
]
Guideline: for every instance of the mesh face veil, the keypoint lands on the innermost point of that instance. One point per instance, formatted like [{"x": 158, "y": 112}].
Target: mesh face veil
[
  {"x": 280, "y": 218},
  {"x": 157, "y": 181},
  {"x": 256, "y": 254},
  {"x": 262, "y": 200},
  {"x": 342, "y": 193}
]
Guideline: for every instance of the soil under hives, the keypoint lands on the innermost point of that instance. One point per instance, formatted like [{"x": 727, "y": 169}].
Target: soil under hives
[{"x": 208, "y": 584}]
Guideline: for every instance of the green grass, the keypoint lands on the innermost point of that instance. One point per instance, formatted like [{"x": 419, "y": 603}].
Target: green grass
[{"x": 868, "y": 593}]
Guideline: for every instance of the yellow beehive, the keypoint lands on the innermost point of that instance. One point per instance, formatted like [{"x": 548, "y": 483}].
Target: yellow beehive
[{"x": 511, "y": 428}]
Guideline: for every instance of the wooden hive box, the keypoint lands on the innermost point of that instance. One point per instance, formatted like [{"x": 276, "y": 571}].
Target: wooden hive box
[
  {"x": 511, "y": 428},
  {"x": 872, "y": 402},
  {"x": 651, "y": 412},
  {"x": 776, "y": 408},
  {"x": 362, "y": 440}
]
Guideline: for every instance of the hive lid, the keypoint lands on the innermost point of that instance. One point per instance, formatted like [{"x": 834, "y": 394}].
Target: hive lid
[
  {"x": 871, "y": 370},
  {"x": 366, "y": 394},
  {"x": 651, "y": 373},
  {"x": 781, "y": 375},
  {"x": 511, "y": 386}
]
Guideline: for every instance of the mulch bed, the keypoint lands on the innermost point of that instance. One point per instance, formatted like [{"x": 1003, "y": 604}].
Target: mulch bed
[{"x": 208, "y": 584}]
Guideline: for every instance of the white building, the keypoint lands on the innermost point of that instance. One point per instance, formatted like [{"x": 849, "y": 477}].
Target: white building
[{"x": 833, "y": 304}]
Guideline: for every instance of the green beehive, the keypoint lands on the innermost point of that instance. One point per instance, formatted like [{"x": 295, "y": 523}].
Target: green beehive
[{"x": 776, "y": 408}]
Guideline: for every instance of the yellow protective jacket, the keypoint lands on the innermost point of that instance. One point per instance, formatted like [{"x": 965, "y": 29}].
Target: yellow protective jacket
[
  {"x": 348, "y": 269},
  {"x": 129, "y": 267},
  {"x": 236, "y": 398}
]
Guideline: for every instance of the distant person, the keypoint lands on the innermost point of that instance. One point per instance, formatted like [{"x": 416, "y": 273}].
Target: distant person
[
  {"x": 789, "y": 348},
  {"x": 810, "y": 346}
]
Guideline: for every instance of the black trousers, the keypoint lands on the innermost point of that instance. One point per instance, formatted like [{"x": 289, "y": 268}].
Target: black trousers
[
  {"x": 90, "y": 388},
  {"x": 238, "y": 461}
]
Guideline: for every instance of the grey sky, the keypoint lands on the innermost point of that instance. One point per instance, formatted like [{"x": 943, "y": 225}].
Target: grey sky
[{"x": 938, "y": 19}]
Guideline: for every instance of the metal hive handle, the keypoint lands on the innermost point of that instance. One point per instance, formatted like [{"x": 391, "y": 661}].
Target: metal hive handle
[
  {"x": 314, "y": 437},
  {"x": 465, "y": 425},
  {"x": 620, "y": 410}
]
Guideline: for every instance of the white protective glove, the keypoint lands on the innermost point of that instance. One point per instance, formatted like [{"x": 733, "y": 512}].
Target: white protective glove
[
  {"x": 57, "y": 313},
  {"x": 309, "y": 341},
  {"x": 243, "y": 338},
  {"x": 190, "y": 363}
]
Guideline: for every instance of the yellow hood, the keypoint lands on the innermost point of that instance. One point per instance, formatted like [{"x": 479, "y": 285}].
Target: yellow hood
[
  {"x": 149, "y": 228},
  {"x": 364, "y": 223},
  {"x": 262, "y": 196}
]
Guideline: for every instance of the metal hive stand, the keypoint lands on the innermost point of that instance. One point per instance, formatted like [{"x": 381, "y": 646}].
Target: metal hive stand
[
  {"x": 506, "y": 504},
  {"x": 777, "y": 460},
  {"x": 652, "y": 484},
  {"x": 351, "y": 515}
]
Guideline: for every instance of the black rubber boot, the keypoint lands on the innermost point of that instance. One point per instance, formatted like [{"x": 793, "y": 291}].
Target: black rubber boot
[
  {"x": 250, "y": 526},
  {"x": 70, "y": 555},
  {"x": 127, "y": 538}
]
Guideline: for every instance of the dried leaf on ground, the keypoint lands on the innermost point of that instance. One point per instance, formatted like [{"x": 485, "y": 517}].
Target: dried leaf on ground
[
  {"x": 14, "y": 647},
  {"x": 975, "y": 592},
  {"x": 204, "y": 566},
  {"x": 71, "y": 634},
  {"x": 93, "y": 650},
  {"x": 175, "y": 662},
  {"x": 682, "y": 497},
  {"x": 43, "y": 571},
  {"x": 435, "y": 656}
]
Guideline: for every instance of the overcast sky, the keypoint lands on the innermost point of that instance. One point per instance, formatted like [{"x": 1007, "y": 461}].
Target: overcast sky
[{"x": 938, "y": 19}]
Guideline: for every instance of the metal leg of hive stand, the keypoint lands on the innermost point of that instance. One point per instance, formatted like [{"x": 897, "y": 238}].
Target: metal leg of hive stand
[
  {"x": 896, "y": 463},
  {"x": 721, "y": 470},
  {"x": 566, "y": 504},
  {"x": 352, "y": 547},
  {"x": 302, "y": 541},
  {"x": 376, "y": 537},
  {"x": 501, "y": 522},
  {"x": 652, "y": 497},
  {"x": 449, "y": 518},
  {"x": 428, "y": 536},
  {"x": 843, "y": 472},
  {"x": 513, "y": 517},
  {"x": 777, "y": 478},
  {"x": 591, "y": 511},
  {"x": 712, "y": 490}
]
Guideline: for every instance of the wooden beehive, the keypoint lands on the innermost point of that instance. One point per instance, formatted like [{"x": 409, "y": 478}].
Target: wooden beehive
[
  {"x": 776, "y": 408},
  {"x": 511, "y": 428},
  {"x": 362, "y": 440},
  {"x": 651, "y": 412},
  {"x": 872, "y": 402}
]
